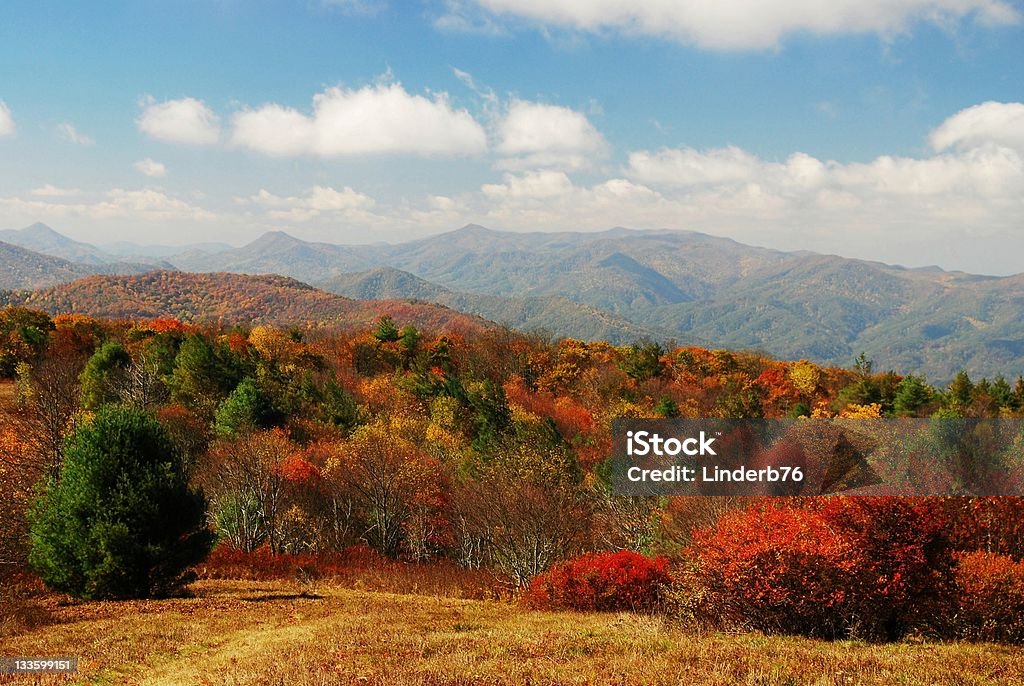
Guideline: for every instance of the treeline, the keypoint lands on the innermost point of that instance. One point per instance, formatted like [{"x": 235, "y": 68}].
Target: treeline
[{"x": 486, "y": 448}]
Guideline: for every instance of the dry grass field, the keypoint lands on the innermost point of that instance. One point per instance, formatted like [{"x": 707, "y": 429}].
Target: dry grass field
[{"x": 249, "y": 632}]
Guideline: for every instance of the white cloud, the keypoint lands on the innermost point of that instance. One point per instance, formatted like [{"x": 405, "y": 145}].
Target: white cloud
[
  {"x": 465, "y": 16},
  {"x": 149, "y": 203},
  {"x": 914, "y": 206},
  {"x": 533, "y": 185},
  {"x": 686, "y": 166},
  {"x": 145, "y": 205},
  {"x": 50, "y": 191},
  {"x": 151, "y": 168},
  {"x": 379, "y": 119},
  {"x": 68, "y": 132},
  {"x": 320, "y": 200},
  {"x": 7, "y": 127},
  {"x": 742, "y": 24},
  {"x": 534, "y": 135},
  {"x": 998, "y": 123},
  {"x": 187, "y": 120},
  {"x": 986, "y": 173}
]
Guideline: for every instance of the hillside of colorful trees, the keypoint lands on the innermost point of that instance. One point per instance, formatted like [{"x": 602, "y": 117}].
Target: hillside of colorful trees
[{"x": 474, "y": 450}]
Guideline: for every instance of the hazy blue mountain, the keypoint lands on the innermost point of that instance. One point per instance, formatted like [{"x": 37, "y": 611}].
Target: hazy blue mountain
[
  {"x": 550, "y": 314},
  {"x": 717, "y": 292},
  {"x": 622, "y": 285},
  {"x": 42, "y": 239},
  {"x": 277, "y": 253},
  {"x": 141, "y": 252}
]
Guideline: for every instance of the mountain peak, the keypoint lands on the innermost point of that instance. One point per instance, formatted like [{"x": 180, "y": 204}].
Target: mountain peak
[
  {"x": 474, "y": 230},
  {"x": 40, "y": 230},
  {"x": 275, "y": 239}
]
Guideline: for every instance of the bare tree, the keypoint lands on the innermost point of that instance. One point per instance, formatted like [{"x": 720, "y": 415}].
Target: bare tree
[
  {"x": 521, "y": 518},
  {"x": 245, "y": 483}
]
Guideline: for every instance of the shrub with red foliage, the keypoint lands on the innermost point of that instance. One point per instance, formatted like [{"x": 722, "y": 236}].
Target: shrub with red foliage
[
  {"x": 992, "y": 524},
  {"x": 877, "y": 568},
  {"x": 775, "y": 569},
  {"x": 991, "y": 597},
  {"x": 603, "y": 582},
  {"x": 906, "y": 576}
]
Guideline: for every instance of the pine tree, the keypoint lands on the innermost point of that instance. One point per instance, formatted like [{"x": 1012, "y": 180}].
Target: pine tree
[{"x": 120, "y": 521}]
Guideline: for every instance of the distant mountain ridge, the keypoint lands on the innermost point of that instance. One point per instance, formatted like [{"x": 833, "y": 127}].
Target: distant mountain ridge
[{"x": 622, "y": 285}]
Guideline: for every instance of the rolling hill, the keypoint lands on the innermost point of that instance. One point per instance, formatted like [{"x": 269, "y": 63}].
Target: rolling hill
[
  {"x": 228, "y": 299},
  {"x": 21, "y": 268},
  {"x": 545, "y": 313}
]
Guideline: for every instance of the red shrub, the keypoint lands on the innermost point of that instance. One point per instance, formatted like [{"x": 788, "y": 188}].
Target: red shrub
[
  {"x": 991, "y": 597},
  {"x": 993, "y": 524},
  {"x": 775, "y": 569},
  {"x": 906, "y": 576},
  {"x": 602, "y": 581},
  {"x": 872, "y": 567}
]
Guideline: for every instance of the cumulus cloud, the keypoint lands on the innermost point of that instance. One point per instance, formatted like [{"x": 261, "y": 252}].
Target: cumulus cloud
[
  {"x": 533, "y": 185},
  {"x": 151, "y": 168},
  {"x": 533, "y": 135},
  {"x": 318, "y": 201},
  {"x": 117, "y": 203},
  {"x": 187, "y": 120},
  {"x": 917, "y": 207},
  {"x": 48, "y": 190},
  {"x": 378, "y": 119},
  {"x": 981, "y": 158},
  {"x": 7, "y": 127},
  {"x": 998, "y": 123},
  {"x": 741, "y": 24},
  {"x": 68, "y": 132}
]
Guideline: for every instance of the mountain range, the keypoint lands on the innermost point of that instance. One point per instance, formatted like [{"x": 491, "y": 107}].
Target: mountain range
[{"x": 622, "y": 285}]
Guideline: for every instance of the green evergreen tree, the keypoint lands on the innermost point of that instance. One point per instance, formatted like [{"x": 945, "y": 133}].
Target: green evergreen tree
[
  {"x": 202, "y": 376},
  {"x": 491, "y": 413},
  {"x": 667, "y": 407},
  {"x": 339, "y": 407},
  {"x": 121, "y": 520},
  {"x": 387, "y": 331},
  {"x": 104, "y": 375},
  {"x": 961, "y": 390},
  {"x": 246, "y": 409},
  {"x": 911, "y": 395}
]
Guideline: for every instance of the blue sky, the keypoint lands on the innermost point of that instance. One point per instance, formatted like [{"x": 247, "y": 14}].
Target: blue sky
[{"x": 868, "y": 128}]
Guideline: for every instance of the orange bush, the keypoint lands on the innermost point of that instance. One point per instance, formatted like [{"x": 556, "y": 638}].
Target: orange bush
[
  {"x": 991, "y": 597},
  {"x": 777, "y": 569}
]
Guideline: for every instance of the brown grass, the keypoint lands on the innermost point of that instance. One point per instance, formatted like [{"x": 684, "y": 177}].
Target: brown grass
[{"x": 234, "y": 632}]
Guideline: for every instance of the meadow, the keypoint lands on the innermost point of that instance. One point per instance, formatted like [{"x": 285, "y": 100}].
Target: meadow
[{"x": 284, "y": 632}]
